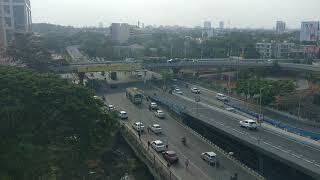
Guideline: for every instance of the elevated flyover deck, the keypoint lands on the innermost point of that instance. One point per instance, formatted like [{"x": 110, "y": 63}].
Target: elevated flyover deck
[
  {"x": 295, "y": 154},
  {"x": 138, "y": 65}
]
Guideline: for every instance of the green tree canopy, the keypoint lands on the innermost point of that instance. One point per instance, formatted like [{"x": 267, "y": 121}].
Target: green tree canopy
[
  {"x": 48, "y": 125},
  {"x": 27, "y": 49}
]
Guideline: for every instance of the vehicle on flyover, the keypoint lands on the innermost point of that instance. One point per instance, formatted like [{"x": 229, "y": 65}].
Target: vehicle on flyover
[
  {"x": 221, "y": 97},
  {"x": 249, "y": 124},
  {"x": 123, "y": 115},
  {"x": 158, "y": 146},
  {"x": 195, "y": 90},
  {"x": 170, "y": 156},
  {"x": 159, "y": 114},
  {"x": 153, "y": 106},
  {"x": 138, "y": 126},
  {"x": 155, "y": 128},
  {"x": 135, "y": 95},
  {"x": 209, "y": 157}
]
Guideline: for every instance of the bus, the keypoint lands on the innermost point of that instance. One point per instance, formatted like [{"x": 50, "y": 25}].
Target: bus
[{"x": 135, "y": 95}]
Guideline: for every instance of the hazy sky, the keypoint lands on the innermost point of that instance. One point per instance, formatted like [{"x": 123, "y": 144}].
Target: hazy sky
[{"x": 237, "y": 13}]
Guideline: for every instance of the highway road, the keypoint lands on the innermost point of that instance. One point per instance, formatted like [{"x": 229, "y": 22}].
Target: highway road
[
  {"x": 294, "y": 151},
  {"x": 173, "y": 131}
]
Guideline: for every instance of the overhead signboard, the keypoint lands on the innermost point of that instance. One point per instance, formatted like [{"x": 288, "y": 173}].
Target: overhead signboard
[{"x": 110, "y": 67}]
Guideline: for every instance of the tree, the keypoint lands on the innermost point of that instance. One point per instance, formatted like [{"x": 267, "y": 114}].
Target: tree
[
  {"x": 268, "y": 89},
  {"x": 48, "y": 126},
  {"x": 28, "y": 50}
]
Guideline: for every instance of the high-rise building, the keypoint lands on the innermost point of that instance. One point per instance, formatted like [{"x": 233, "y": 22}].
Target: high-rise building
[
  {"x": 310, "y": 31},
  {"x": 119, "y": 32},
  {"x": 280, "y": 27},
  {"x": 207, "y": 29},
  {"x": 15, "y": 16},
  {"x": 221, "y": 25}
]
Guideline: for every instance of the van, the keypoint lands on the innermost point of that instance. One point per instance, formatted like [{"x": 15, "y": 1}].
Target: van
[{"x": 249, "y": 124}]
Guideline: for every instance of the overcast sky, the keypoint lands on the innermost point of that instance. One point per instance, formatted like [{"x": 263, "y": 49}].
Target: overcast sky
[{"x": 235, "y": 13}]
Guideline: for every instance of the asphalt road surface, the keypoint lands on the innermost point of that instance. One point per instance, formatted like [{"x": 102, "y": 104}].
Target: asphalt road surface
[
  {"x": 295, "y": 151},
  {"x": 173, "y": 131}
]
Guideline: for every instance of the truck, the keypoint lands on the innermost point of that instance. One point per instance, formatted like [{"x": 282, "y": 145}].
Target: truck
[{"x": 135, "y": 95}]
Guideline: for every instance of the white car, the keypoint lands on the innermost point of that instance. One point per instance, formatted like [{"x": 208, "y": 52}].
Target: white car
[
  {"x": 158, "y": 146},
  {"x": 195, "y": 90},
  {"x": 159, "y": 114},
  {"x": 155, "y": 128},
  {"x": 153, "y": 106},
  {"x": 221, "y": 97},
  {"x": 123, "y": 115},
  {"x": 178, "y": 91},
  {"x": 249, "y": 124},
  {"x": 138, "y": 126},
  {"x": 209, "y": 157}
]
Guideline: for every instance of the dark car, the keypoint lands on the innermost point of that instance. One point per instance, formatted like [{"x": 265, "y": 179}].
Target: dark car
[{"x": 170, "y": 156}]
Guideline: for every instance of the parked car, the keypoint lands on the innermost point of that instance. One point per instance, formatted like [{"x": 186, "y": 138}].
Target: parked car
[
  {"x": 195, "y": 90},
  {"x": 209, "y": 157},
  {"x": 249, "y": 124},
  {"x": 159, "y": 114},
  {"x": 221, "y": 97},
  {"x": 170, "y": 156},
  {"x": 155, "y": 128},
  {"x": 153, "y": 106},
  {"x": 123, "y": 115},
  {"x": 138, "y": 126},
  {"x": 158, "y": 146}
]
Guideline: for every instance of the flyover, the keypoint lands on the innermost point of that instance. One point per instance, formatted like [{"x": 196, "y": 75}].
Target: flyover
[
  {"x": 125, "y": 66},
  {"x": 173, "y": 130},
  {"x": 265, "y": 150}
]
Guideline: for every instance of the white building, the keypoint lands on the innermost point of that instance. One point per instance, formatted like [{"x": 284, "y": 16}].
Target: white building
[
  {"x": 280, "y": 27},
  {"x": 264, "y": 49},
  {"x": 207, "y": 31},
  {"x": 119, "y": 32},
  {"x": 274, "y": 50},
  {"x": 310, "y": 31},
  {"x": 282, "y": 50},
  {"x": 15, "y": 16}
]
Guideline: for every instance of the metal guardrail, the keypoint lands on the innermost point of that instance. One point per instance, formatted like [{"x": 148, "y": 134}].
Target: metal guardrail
[
  {"x": 159, "y": 168},
  {"x": 278, "y": 124}
]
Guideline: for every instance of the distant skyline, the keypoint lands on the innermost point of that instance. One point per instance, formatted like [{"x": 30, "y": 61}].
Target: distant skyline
[{"x": 189, "y": 13}]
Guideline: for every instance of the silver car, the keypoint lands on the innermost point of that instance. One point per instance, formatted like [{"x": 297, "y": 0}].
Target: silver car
[
  {"x": 155, "y": 128},
  {"x": 209, "y": 157}
]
